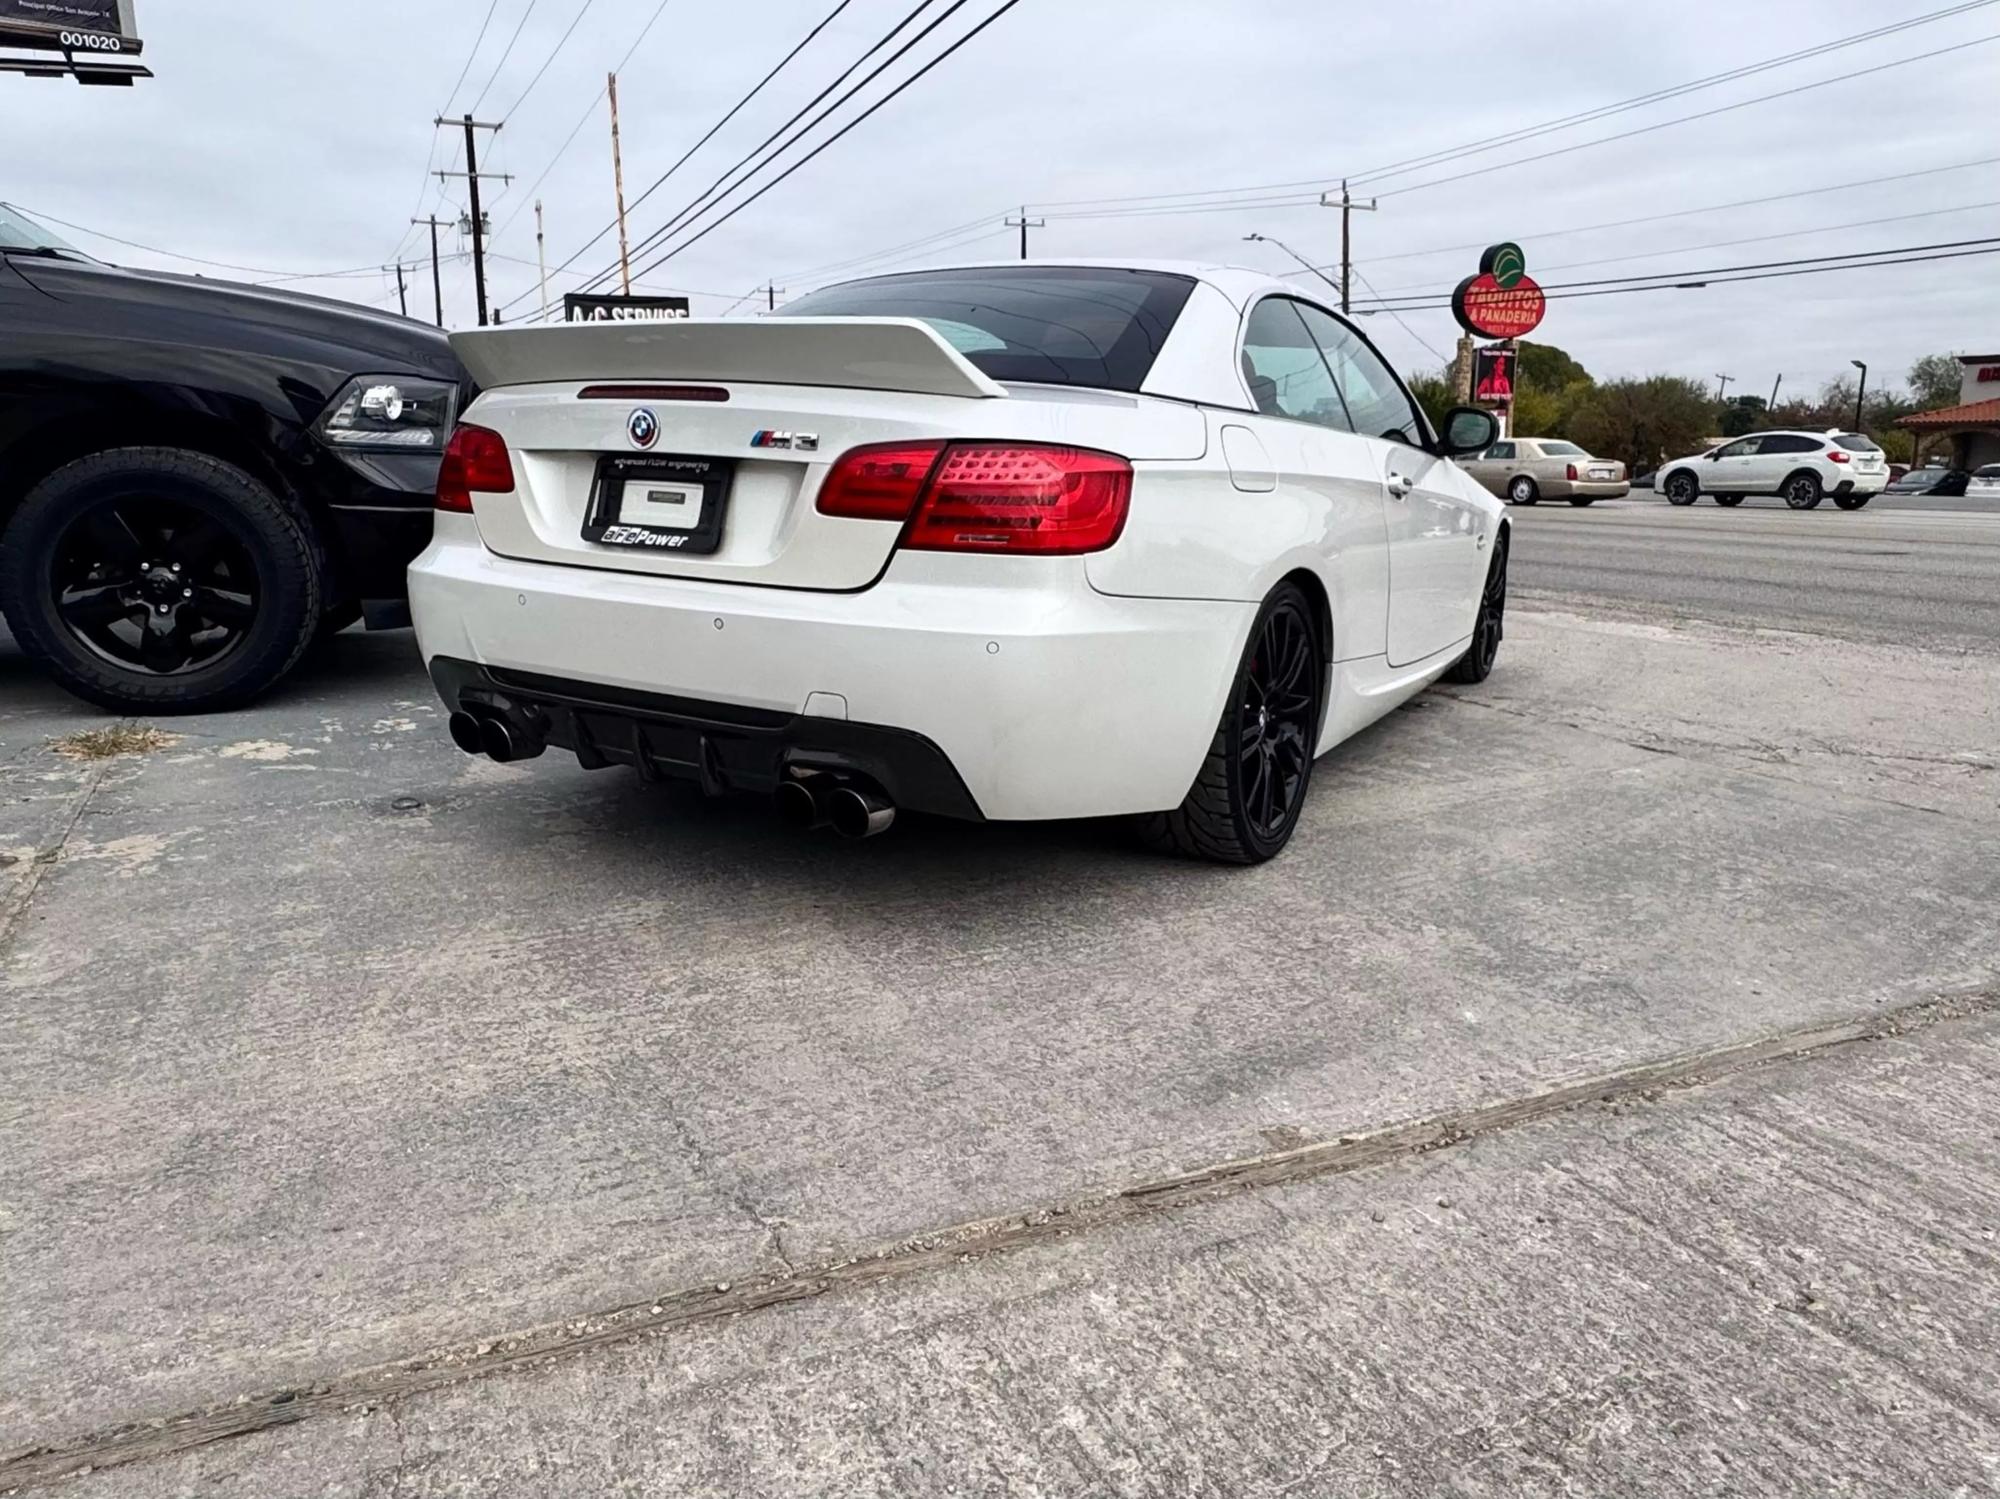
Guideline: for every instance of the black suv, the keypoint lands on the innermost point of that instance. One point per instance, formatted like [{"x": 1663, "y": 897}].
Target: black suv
[{"x": 198, "y": 478}]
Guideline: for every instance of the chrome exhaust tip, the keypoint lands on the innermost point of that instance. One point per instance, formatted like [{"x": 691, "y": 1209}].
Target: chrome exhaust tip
[
  {"x": 857, "y": 812},
  {"x": 798, "y": 807}
]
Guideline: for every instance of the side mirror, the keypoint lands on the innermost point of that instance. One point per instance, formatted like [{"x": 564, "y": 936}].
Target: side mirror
[
  {"x": 1469, "y": 430},
  {"x": 1711, "y": 457}
]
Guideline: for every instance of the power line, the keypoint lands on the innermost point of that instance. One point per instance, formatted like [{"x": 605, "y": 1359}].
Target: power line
[
  {"x": 936, "y": 244},
  {"x": 845, "y": 129},
  {"x": 1442, "y": 359},
  {"x": 494, "y": 77},
  {"x": 476, "y": 41},
  {"x": 589, "y": 110},
  {"x": 1512, "y": 137},
  {"x": 225, "y": 265},
  {"x": 1848, "y": 185},
  {"x": 562, "y": 42},
  {"x": 734, "y": 109}
]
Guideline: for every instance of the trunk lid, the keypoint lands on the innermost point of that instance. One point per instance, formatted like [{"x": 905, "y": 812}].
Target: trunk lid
[{"x": 823, "y": 387}]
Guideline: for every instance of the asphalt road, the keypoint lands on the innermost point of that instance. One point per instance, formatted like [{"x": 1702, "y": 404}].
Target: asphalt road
[
  {"x": 1921, "y": 578},
  {"x": 341, "y": 1067}
]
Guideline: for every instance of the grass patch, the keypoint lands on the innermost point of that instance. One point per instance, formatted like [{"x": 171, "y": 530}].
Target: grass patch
[{"x": 111, "y": 741}]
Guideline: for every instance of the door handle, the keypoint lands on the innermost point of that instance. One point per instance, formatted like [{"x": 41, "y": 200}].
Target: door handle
[{"x": 1399, "y": 487}]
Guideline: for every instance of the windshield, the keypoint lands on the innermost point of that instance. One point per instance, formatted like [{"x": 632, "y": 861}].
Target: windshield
[
  {"x": 1051, "y": 325},
  {"x": 1562, "y": 450},
  {"x": 18, "y": 232}
]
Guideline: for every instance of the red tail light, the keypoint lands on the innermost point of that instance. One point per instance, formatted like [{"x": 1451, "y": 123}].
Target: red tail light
[
  {"x": 475, "y": 462},
  {"x": 1571, "y": 471},
  {"x": 986, "y": 496},
  {"x": 879, "y": 482},
  {"x": 1836, "y": 458}
]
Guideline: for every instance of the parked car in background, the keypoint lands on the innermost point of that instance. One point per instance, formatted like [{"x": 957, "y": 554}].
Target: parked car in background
[
  {"x": 1804, "y": 467},
  {"x": 1014, "y": 542},
  {"x": 1984, "y": 483},
  {"x": 197, "y": 477},
  {"x": 1934, "y": 480},
  {"x": 1524, "y": 470}
]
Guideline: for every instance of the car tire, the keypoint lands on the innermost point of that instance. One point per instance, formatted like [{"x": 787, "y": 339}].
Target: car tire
[
  {"x": 1488, "y": 625},
  {"x": 1852, "y": 501},
  {"x": 1803, "y": 490},
  {"x": 1729, "y": 501},
  {"x": 1521, "y": 490},
  {"x": 1245, "y": 801},
  {"x": 1682, "y": 488},
  {"x": 158, "y": 580},
  {"x": 1580, "y": 500}
]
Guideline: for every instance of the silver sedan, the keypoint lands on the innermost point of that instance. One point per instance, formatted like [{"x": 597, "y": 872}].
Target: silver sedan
[{"x": 1522, "y": 470}]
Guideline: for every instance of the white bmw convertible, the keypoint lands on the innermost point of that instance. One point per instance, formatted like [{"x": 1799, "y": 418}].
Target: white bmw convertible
[{"x": 1018, "y": 541}]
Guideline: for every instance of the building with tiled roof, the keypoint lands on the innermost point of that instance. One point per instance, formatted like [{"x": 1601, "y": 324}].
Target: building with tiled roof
[{"x": 1972, "y": 427}]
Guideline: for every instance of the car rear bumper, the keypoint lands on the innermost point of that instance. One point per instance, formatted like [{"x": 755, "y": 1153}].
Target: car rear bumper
[
  {"x": 1596, "y": 489},
  {"x": 1040, "y": 697}
]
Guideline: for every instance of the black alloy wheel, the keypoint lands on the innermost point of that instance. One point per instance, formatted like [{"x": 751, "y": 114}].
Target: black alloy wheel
[
  {"x": 1682, "y": 488},
  {"x": 160, "y": 580},
  {"x": 1246, "y": 800},
  {"x": 1803, "y": 491},
  {"x": 1489, "y": 626},
  {"x": 154, "y": 586}
]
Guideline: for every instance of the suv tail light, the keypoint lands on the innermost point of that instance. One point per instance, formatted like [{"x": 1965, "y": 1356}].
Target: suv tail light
[
  {"x": 986, "y": 496},
  {"x": 1836, "y": 457},
  {"x": 1570, "y": 469},
  {"x": 475, "y": 462}
]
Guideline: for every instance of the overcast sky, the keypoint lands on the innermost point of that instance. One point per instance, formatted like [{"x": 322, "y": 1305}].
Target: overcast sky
[{"x": 294, "y": 137}]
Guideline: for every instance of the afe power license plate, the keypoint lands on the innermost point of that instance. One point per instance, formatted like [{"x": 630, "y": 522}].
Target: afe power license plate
[{"x": 659, "y": 502}]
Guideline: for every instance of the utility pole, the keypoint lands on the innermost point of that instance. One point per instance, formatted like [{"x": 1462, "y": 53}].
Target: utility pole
[
  {"x": 1776, "y": 381},
  {"x": 771, "y": 298},
  {"x": 402, "y": 301},
  {"x": 1859, "y": 390},
  {"x": 472, "y": 175},
  {"x": 1722, "y": 387},
  {"x": 1024, "y": 224},
  {"x": 437, "y": 281},
  {"x": 541, "y": 261},
  {"x": 618, "y": 183},
  {"x": 1346, "y": 205}
]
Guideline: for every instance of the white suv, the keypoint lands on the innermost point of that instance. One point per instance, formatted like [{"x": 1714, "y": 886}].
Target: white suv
[{"x": 1804, "y": 467}]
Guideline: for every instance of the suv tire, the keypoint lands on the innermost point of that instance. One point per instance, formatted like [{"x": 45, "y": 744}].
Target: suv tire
[
  {"x": 159, "y": 580},
  {"x": 1803, "y": 491}
]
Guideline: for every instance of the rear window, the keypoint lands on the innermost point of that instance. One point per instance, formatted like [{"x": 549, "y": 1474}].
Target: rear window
[
  {"x": 1991, "y": 471},
  {"x": 1054, "y": 325},
  {"x": 1562, "y": 450},
  {"x": 1854, "y": 442}
]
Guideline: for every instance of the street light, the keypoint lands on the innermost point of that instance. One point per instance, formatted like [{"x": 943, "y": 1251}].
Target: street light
[
  {"x": 1860, "y": 391},
  {"x": 1266, "y": 239}
]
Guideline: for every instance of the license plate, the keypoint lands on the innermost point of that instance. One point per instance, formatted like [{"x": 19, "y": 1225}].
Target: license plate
[
  {"x": 1600, "y": 473},
  {"x": 662, "y": 502}
]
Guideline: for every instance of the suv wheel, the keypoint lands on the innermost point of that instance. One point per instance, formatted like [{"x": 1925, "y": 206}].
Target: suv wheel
[
  {"x": 1246, "y": 800},
  {"x": 1852, "y": 501},
  {"x": 1729, "y": 501},
  {"x": 1802, "y": 490},
  {"x": 1682, "y": 488},
  {"x": 160, "y": 580},
  {"x": 1522, "y": 491}
]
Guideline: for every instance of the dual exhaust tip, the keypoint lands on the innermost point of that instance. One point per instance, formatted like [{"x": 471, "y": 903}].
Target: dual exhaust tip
[
  {"x": 849, "y": 808},
  {"x": 492, "y": 735},
  {"x": 822, "y": 799}
]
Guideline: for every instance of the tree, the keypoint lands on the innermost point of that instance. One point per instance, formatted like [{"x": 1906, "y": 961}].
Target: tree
[
  {"x": 1934, "y": 381},
  {"x": 1545, "y": 367},
  {"x": 1641, "y": 421},
  {"x": 1743, "y": 414},
  {"x": 1434, "y": 393},
  {"x": 1538, "y": 411}
]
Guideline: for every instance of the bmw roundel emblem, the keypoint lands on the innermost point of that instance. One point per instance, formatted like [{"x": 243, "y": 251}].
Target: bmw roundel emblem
[{"x": 642, "y": 427}]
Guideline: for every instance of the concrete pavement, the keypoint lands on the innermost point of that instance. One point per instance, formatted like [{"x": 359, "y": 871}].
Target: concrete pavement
[{"x": 336, "y": 1047}]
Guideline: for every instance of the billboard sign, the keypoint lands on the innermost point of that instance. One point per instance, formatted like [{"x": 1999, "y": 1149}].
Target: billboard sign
[
  {"x": 101, "y": 27},
  {"x": 578, "y": 308},
  {"x": 1493, "y": 375},
  {"x": 1502, "y": 301}
]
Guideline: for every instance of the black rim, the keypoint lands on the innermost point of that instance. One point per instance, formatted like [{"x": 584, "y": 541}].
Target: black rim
[
  {"x": 1680, "y": 487},
  {"x": 153, "y": 585},
  {"x": 1275, "y": 720},
  {"x": 1486, "y": 632},
  {"x": 1801, "y": 493}
]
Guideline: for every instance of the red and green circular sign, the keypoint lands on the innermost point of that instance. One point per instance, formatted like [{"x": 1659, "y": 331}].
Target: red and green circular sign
[{"x": 1501, "y": 301}]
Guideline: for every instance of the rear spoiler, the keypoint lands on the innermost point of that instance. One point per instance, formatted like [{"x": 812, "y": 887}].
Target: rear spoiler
[{"x": 901, "y": 354}]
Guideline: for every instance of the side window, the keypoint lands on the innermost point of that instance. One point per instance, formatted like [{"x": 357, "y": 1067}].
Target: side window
[
  {"x": 1376, "y": 404},
  {"x": 1501, "y": 450},
  {"x": 1746, "y": 448},
  {"x": 1791, "y": 445},
  {"x": 1286, "y": 374}
]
